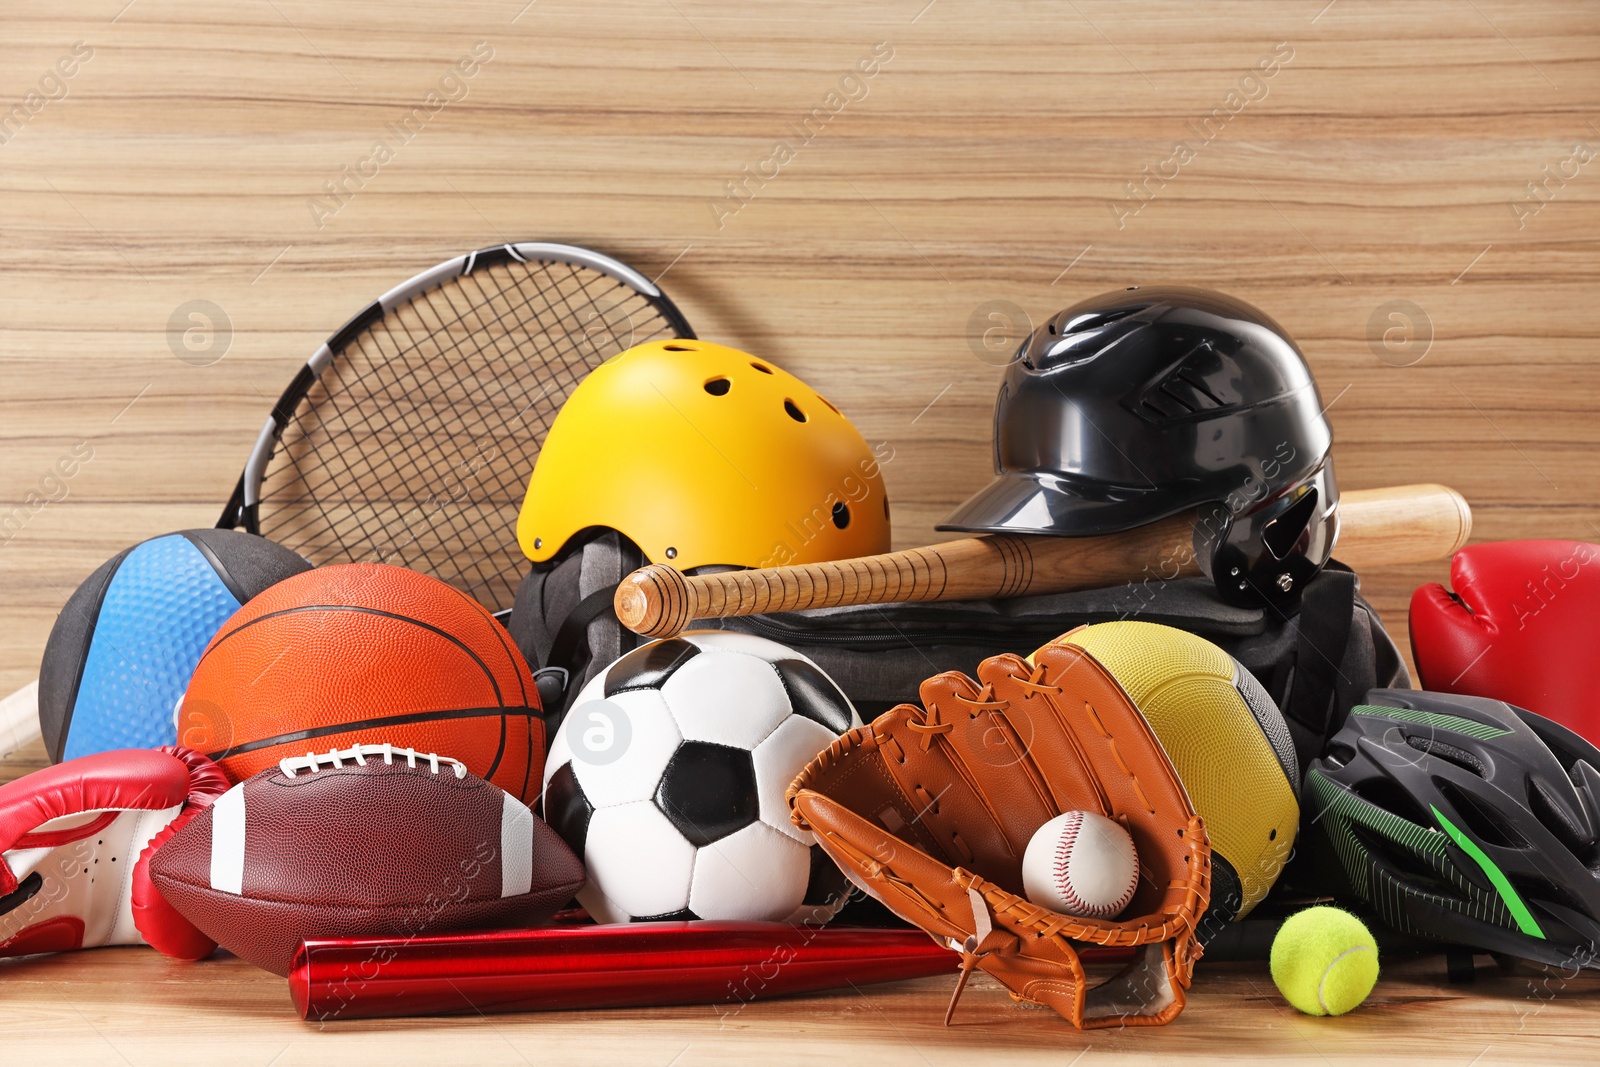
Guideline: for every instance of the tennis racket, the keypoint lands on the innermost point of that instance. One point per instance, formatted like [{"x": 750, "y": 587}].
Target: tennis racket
[{"x": 409, "y": 436}]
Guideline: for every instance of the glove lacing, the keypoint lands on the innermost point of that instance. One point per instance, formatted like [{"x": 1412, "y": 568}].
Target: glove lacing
[{"x": 971, "y": 949}]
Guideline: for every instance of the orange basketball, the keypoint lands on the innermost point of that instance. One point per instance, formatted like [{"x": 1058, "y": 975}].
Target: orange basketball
[{"x": 363, "y": 653}]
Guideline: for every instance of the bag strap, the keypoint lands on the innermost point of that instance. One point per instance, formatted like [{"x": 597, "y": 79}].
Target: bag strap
[
  {"x": 1327, "y": 611},
  {"x": 569, "y": 652}
]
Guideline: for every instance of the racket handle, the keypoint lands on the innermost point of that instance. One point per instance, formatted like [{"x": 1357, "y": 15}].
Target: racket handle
[{"x": 635, "y": 964}]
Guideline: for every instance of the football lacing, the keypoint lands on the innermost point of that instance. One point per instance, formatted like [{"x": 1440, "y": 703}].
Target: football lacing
[{"x": 312, "y": 762}]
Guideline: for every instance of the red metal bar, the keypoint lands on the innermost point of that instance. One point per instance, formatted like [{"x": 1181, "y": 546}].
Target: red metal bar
[{"x": 564, "y": 968}]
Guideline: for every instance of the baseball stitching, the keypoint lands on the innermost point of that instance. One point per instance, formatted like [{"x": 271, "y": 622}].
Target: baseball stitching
[{"x": 1063, "y": 882}]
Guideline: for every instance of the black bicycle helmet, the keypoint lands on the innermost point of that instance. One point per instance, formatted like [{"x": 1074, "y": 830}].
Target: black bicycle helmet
[
  {"x": 1146, "y": 402},
  {"x": 1465, "y": 820}
]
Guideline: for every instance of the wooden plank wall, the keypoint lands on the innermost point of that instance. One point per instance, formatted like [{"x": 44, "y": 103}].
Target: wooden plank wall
[{"x": 1337, "y": 163}]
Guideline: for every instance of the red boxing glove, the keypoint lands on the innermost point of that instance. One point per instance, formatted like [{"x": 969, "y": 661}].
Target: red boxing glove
[
  {"x": 1522, "y": 627},
  {"x": 75, "y": 842}
]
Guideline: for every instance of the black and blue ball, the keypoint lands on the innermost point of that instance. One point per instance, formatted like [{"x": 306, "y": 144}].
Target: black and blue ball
[{"x": 124, "y": 646}]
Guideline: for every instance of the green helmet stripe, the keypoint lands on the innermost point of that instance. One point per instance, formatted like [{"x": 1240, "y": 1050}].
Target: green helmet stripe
[
  {"x": 1502, "y": 884},
  {"x": 1454, "y": 723}
]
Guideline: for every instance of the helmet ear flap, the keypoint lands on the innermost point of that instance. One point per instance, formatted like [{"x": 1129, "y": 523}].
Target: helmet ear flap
[
  {"x": 1267, "y": 553},
  {"x": 1291, "y": 530}
]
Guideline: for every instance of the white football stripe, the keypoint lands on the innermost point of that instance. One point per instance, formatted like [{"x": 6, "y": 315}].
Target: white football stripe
[
  {"x": 227, "y": 841},
  {"x": 516, "y": 848}
]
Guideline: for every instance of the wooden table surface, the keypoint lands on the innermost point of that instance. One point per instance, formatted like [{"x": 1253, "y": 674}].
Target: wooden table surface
[
  {"x": 129, "y": 1006},
  {"x": 1408, "y": 187}
]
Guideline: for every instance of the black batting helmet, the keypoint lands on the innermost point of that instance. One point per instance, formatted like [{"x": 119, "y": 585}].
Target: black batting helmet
[{"x": 1146, "y": 402}]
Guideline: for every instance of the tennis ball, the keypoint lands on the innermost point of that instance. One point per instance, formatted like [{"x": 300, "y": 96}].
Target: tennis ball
[{"x": 1324, "y": 961}]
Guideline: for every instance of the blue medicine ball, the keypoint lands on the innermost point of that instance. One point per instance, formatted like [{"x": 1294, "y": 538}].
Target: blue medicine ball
[{"x": 123, "y": 649}]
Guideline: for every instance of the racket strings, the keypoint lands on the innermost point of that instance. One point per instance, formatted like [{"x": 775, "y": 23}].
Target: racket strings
[
  {"x": 472, "y": 398},
  {"x": 397, "y": 389},
  {"x": 474, "y": 402},
  {"x": 416, "y": 444},
  {"x": 362, "y": 402}
]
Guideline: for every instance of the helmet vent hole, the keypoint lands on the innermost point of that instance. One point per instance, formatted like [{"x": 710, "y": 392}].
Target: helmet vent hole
[
  {"x": 680, "y": 348},
  {"x": 1193, "y": 379},
  {"x": 831, "y": 408},
  {"x": 1177, "y": 398},
  {"x": 1482, "y": 822},
  {"x": 1541, "y": 894},
  {"x": 841, "y": 515},
  {"x": 1396, "y": 865},
  {"x": 1389, "y": 796},
  {"x": 1339, "y": 754},
  {"x": 1459, "y": 756},
  {"x": 1205, "y": 383},
  {"x": 794, "y": 411},
  {"x": 718, "y": 386},
  {"x": 1555, "y": 820},
  {"x": 762, "y": 367}
]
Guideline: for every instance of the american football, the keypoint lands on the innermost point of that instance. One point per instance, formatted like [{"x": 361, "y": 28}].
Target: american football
[
  {"x": 313, "y": 847},
  {"x": 668, "y": 777}
]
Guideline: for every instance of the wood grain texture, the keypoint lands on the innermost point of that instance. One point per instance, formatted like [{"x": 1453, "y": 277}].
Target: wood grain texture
[
  {"x": 129, "y": 1004},
  {"x": 1389, "y": 159},
  {"x": 1401, "y": 524},
  {"x": 1379, "y": 527}
]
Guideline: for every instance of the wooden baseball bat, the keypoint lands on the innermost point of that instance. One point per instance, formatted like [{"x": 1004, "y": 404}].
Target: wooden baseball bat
[{"x": 1400, "y": 524}]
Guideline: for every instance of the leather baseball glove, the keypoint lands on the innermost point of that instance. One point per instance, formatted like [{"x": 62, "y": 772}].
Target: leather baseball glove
[{"x": 930, "y": 810}]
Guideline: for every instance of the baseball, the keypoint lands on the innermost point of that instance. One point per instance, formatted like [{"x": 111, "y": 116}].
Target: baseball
[{"x": 1080, "y": 863}]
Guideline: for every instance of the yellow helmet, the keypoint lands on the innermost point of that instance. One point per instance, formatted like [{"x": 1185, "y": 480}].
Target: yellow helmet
[
  {"x": 1227, "y": 741},
  {"x": 702, "y": 454}
]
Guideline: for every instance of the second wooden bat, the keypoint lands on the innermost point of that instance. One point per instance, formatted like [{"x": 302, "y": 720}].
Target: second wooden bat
[{"x": 1401, "y": 524}]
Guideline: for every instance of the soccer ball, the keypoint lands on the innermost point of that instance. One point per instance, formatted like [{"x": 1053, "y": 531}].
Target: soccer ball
[{"x": 667, "y": 777}]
